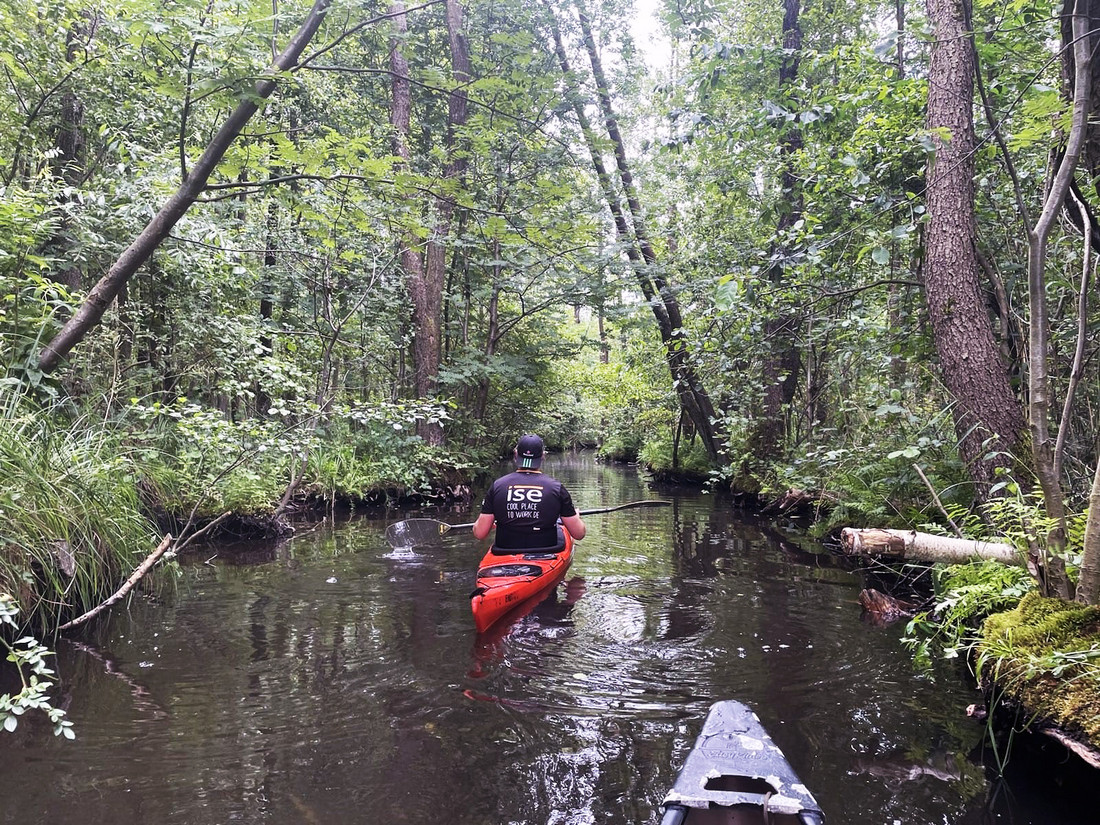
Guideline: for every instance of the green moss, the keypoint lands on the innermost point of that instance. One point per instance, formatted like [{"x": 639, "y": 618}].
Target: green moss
[{"x": 1045, "y": 655}]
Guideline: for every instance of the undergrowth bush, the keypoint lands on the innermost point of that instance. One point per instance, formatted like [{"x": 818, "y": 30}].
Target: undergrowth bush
[
  {"x": 656, "y": 456},
  {"x": 620, "y": 447},
  {"x": 194, "y": 458},
  {"x": 864, "y": 464},
  {"x": 197, "y": 458}
]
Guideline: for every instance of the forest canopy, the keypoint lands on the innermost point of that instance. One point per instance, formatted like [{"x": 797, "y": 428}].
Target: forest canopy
[{"x": 256, "y": 251}]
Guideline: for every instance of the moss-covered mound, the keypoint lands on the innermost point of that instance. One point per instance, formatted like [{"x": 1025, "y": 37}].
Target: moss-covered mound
[{"x": 1045, "y": 655}]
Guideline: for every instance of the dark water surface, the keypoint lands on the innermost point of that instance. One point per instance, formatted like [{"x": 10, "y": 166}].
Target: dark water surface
[{"x": 333, "y": 680}]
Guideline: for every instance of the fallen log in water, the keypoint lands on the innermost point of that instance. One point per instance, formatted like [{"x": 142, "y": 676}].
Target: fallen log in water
[{"x": 925, "y": 547}]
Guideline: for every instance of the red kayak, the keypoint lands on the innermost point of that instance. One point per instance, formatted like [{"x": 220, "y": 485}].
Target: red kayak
[{"x": 506, "y": 579}]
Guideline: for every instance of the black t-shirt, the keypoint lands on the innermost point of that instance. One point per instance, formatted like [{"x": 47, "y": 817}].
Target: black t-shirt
[{"x": 527, "y": 506}]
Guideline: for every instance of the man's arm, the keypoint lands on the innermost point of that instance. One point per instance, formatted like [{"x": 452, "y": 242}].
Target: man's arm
[
  {"x": 483, "y": 525},
  {"x": 574, "y": 525}
]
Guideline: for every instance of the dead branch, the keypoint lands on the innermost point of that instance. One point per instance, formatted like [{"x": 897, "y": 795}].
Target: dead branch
[{"x": 135, "y": 577}]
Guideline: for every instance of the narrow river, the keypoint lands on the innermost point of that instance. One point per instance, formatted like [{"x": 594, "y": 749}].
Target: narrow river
[{"x": 332, "y": 680}]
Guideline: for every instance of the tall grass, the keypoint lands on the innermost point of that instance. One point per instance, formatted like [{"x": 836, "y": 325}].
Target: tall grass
[{"x": 70, "y": 518}]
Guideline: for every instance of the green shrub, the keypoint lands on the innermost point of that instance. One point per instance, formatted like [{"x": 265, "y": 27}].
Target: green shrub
[
  {"x": 965, "y": 594},
  {"x": 691, "y": 459}
]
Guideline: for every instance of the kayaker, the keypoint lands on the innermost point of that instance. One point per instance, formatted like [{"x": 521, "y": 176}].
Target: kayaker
[{"x": 525, "y": 505}]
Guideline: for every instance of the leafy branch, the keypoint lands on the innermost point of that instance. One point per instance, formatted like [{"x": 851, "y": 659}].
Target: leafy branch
[{"x": 29, "y": 657}]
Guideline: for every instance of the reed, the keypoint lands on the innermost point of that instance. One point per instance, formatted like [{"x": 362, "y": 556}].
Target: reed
[{"x": 71, "y": 522}]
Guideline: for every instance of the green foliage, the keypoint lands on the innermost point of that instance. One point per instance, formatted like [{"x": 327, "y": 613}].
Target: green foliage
[
  {"x": 690, "y": 460},
  {"x": 29, "y": 657},
  {"x": 865, "y": 463},
  {"x": 964, "y": 595},
  {"x": 605, "y": 404},
  {"x": 1017, "y": 518},
  {"x": 375, "y": 449},
  {"x": 197, "y": 458},
  {"x": 29, "y": 300}
]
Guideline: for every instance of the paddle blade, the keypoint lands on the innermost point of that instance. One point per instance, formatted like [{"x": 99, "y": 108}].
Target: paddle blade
[{"x": 415, "y": 532}]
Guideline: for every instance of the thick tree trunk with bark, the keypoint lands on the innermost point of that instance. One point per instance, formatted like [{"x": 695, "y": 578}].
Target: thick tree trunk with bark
[
  {"x": 138, "y": 252},
  {"x": 782, "y": 360},
  {"x": 988, "y": 417}
]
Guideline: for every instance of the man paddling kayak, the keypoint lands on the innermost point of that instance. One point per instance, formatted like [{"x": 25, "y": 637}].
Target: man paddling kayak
[{"x": 525, "y": 505}]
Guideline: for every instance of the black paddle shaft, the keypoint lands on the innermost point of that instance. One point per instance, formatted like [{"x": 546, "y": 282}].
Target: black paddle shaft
[{"x": 417, "y": 531}]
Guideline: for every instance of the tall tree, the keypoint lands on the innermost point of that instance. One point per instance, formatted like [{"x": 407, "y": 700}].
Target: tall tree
[
  {"x": 425, "y": 270},
  {"x": 781, "y": 358},
  {"x": 71, "y": 140},
  {"x": 1047, "y": 454},
  {"x": 693, "y": 396},
  {"x": 142, "y": 247},
  {"x": 988, "y": 418}
]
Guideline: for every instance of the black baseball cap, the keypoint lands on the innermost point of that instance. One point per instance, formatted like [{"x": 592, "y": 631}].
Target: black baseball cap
[{"x": 529, "y": 452}]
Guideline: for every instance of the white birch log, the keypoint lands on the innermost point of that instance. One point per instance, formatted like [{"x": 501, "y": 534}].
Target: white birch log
[{"x": 925, "y": 547}]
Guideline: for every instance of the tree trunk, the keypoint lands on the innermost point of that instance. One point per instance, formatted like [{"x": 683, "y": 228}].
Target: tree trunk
[
  {"x": 666, "y": 309},
  {"x": 71, "y": 144},
  {"x": 1091, "y": 152},
  {"x": 988, "y": 418},
  {"x": 782, "y": 359},
  {"x": 425, "y": 274},
  {"x": 895, "y": 317},
  {"x": 913, "y": 546},
  {"x": 1043, "y": 453},
  {"x": 267, "y": 298},
  {"x": 139, "y": 251},
  {"x": 425, "y": 329}
]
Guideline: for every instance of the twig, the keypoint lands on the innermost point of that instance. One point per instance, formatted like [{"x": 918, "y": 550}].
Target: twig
[
  {"x": 135, "y": 577},
  {"x": 206, "y": 529},
  {"x": 939, "y": 504}
]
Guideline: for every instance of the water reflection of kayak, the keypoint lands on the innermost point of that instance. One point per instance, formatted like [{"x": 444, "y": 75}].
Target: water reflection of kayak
[
  {"x": 736, "y": 775},
  {"x": 507, "y": 581},
  {"x": 552, "y": 610}
]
